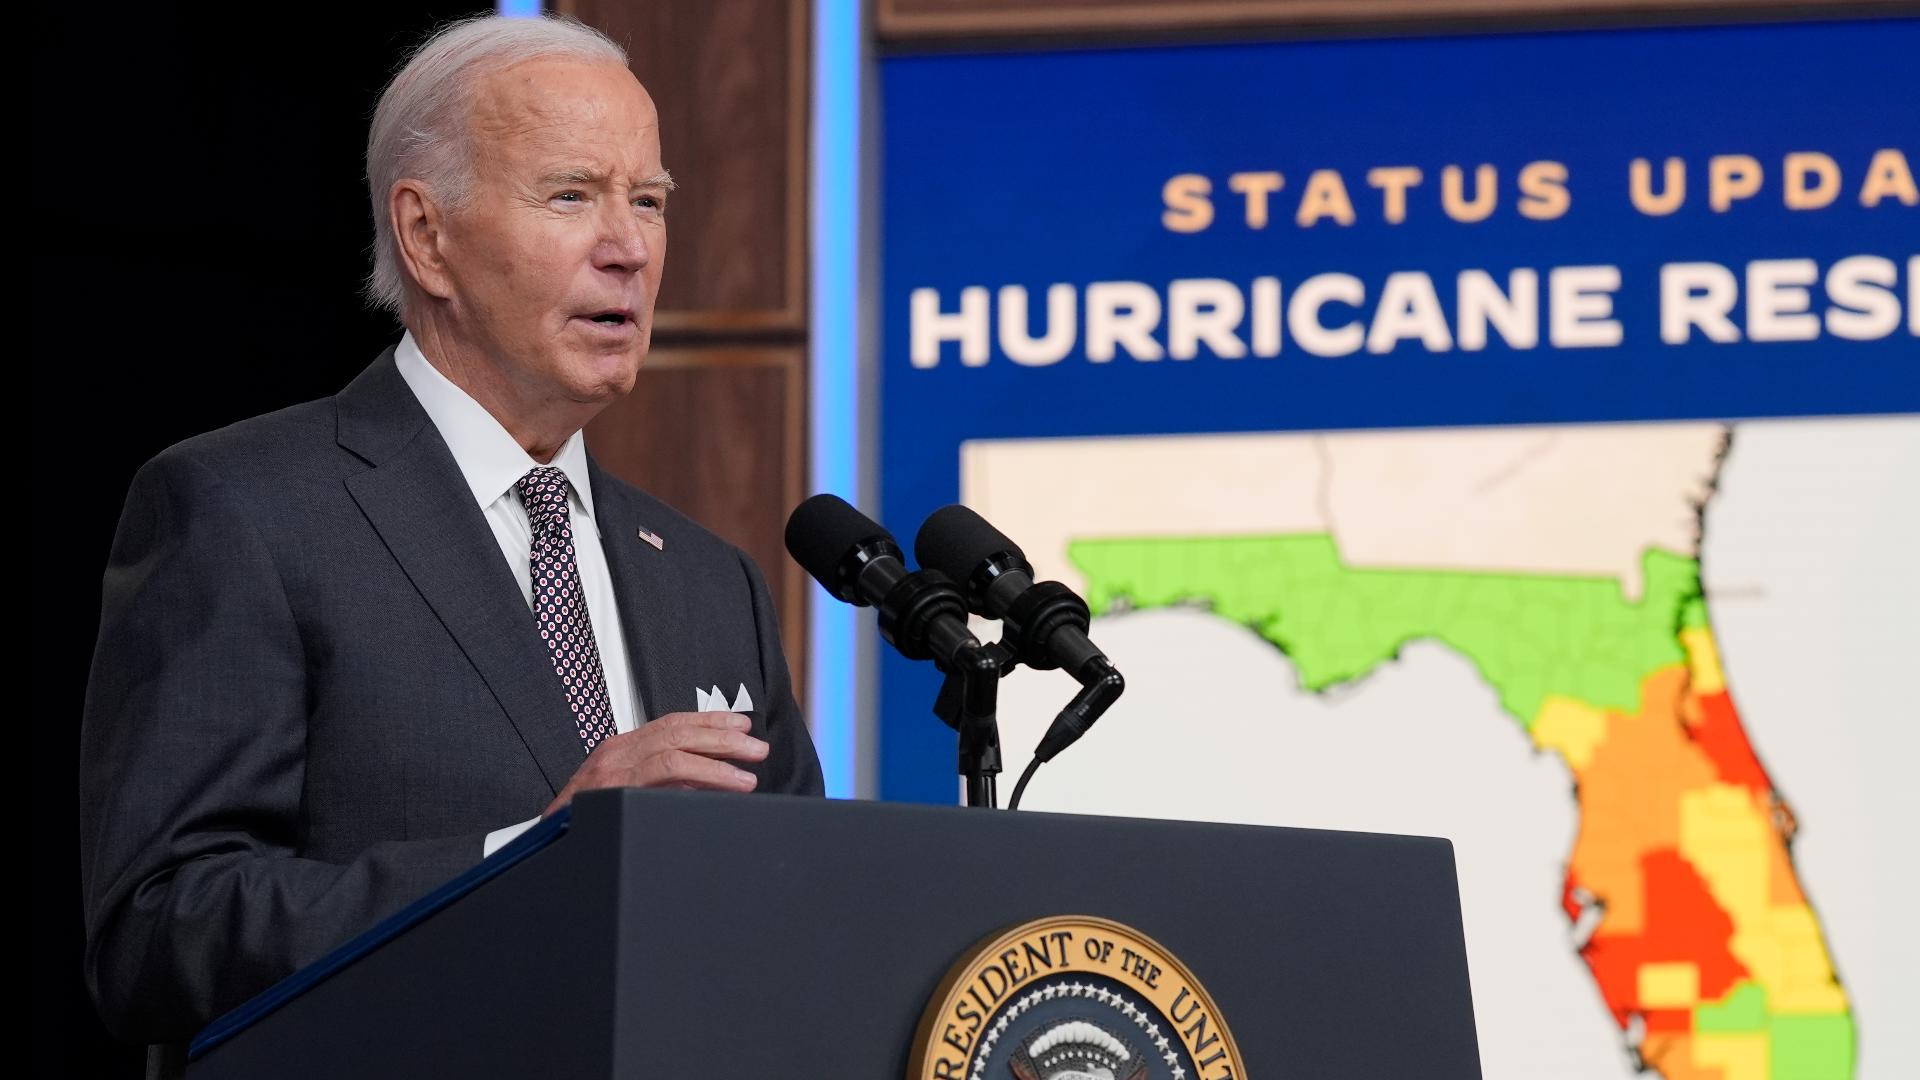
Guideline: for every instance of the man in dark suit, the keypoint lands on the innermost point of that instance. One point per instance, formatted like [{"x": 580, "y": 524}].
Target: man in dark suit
[{"x": 348, "y": 648}]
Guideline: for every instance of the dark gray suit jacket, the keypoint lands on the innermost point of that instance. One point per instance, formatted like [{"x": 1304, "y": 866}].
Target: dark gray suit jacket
[{"x": 318, "y": 686}]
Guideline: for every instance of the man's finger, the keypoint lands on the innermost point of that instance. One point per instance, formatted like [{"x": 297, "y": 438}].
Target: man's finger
[
  {"x": 711, "y": 743},
  {"x": 700, "y": 733},
  {"x": 629, "y": 751},
  {"x": 730, "y": 721},
  {"x": 676, "y": 769}
]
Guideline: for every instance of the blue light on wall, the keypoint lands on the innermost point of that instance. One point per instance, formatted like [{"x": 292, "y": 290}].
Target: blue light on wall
[
  {"x": 519, "y": 9},
  {"x": 833, "y": 396}
]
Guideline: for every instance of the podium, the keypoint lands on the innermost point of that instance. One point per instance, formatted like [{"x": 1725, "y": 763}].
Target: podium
[{"x": 683, "y": 934}]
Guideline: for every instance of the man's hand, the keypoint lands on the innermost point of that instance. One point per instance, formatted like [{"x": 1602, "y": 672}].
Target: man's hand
[{"x": 679, "y": 750}]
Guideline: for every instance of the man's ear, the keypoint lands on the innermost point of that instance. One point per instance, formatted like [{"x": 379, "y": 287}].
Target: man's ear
[{"x": 420, "y": 229}]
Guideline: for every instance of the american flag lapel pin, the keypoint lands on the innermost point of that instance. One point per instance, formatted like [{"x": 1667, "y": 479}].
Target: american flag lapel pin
[{"x": 653, "y": 538}]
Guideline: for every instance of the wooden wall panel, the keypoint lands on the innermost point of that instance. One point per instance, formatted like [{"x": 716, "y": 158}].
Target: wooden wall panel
[
  {"x": 714, "y": 432},
  {"x": 730, "y": 80}
]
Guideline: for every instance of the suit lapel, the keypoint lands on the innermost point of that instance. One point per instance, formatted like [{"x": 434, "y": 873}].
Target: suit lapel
[
  {"x": 417, "y": 501},
  {"x": 654, "y": 604}
]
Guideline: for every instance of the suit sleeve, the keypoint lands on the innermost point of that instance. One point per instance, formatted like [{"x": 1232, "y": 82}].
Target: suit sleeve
[
  {"x": 792, "y": 766},
  {"x": 192, "y": 765}
]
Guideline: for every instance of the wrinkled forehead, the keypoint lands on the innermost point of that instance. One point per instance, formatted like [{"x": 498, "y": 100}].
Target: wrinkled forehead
[{"x": 534, "y": 114}]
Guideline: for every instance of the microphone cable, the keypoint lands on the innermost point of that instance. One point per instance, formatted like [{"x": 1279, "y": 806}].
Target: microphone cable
[{"x": 1020, "y": 788}]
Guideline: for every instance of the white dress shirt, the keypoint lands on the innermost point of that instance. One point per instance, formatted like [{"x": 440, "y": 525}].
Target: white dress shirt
[{"x": 493, "y": 463}]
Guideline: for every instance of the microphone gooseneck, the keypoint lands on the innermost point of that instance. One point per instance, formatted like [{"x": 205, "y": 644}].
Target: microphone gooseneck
[
  {"x": 922, "y": 614},
  {"x": 1045, "y": 623}
]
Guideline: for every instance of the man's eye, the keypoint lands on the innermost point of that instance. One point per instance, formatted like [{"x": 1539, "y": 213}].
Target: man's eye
[
  {"x": 568, "y": 196},
  {"x": 650, "y": 202}
]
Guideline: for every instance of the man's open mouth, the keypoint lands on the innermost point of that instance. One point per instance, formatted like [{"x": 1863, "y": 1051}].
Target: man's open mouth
[{"x": 612, "y": 318}]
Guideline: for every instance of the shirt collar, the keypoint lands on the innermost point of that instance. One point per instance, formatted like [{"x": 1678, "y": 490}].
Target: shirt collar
[{"x": 489, "y": 458}]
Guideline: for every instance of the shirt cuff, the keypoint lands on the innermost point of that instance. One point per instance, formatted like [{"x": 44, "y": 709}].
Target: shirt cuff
[{"x": 499, "y": 838}]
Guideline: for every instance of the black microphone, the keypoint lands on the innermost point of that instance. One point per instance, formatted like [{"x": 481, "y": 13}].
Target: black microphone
[
  {"x": 1045, "y": 622},
  {"x": 857, "y": 560}
]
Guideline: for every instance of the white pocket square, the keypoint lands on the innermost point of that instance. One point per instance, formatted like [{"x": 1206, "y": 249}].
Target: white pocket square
[{"x": 716, "y": 701}]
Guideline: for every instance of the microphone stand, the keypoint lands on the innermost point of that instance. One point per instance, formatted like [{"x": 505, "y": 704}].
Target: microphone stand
[
  {"x": 922, "y": 615},
  {"x": 969, "y": 703}
]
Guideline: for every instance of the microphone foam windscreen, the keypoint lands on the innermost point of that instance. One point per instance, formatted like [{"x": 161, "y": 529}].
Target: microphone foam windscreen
[
  {"x": 955, "y": 541},
  {"x": 822, "y": 530}
]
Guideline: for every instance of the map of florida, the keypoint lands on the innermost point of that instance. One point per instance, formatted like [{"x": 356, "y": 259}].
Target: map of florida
[{"x": 1680, "y": 887}]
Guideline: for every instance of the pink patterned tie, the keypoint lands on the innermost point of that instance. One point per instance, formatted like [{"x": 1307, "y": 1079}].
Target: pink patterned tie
[{"x": 560, "y": 604}]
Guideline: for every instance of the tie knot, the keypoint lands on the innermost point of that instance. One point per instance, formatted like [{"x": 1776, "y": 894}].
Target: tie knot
[{"x": 543, "y": 491}]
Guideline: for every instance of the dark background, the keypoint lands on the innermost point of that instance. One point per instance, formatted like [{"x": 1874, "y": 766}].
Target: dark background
[{"x": 199, "y": 228}]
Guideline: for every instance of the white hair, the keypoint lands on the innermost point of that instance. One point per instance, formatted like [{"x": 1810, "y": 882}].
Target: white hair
[{"x": 421, "y": 130}]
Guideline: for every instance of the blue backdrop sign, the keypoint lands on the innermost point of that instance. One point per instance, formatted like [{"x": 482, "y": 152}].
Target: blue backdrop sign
[{"x": 1541, "y": 228}]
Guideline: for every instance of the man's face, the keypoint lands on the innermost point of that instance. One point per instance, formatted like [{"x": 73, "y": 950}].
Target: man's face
[{"x": 555, "y": 259}]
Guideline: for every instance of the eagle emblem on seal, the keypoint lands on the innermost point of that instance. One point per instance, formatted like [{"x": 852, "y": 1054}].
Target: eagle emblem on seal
[{"x": 1077, "y": 1050}]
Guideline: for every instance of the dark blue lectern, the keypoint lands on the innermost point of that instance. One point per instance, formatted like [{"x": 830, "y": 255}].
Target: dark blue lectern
[{"x": 663, "y": 934}]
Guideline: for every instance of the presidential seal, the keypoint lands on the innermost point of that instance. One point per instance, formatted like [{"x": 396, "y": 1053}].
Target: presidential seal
[{"x": 1072, "y": 998}]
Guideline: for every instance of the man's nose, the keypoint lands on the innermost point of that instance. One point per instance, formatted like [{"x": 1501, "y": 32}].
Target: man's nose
[{"x": 622, "y": 244}]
